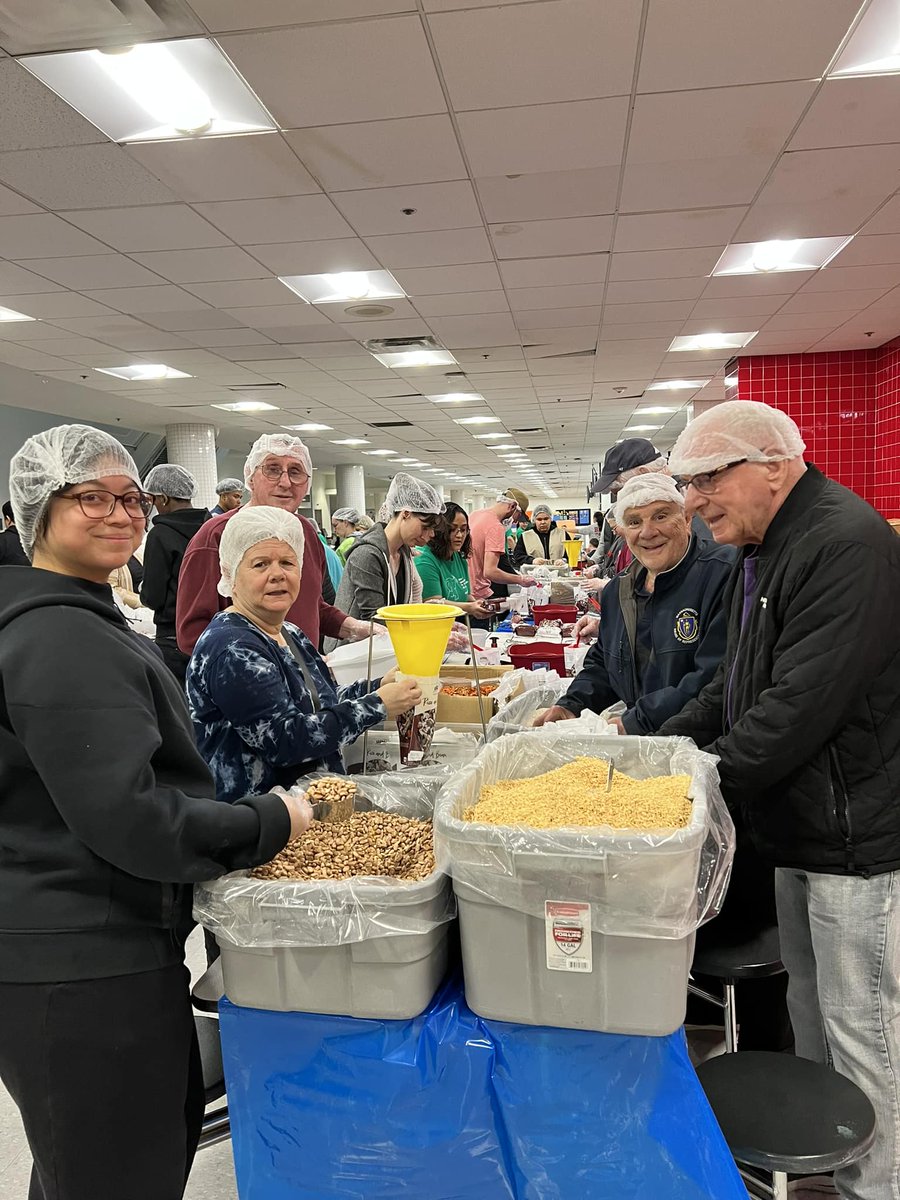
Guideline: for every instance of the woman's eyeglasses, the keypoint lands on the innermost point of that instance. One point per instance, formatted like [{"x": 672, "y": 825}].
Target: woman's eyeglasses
[
  {"x": 707, "y": 481},
  {"x": 98, "y": 504},
  {"x": 273, "y": 472}
]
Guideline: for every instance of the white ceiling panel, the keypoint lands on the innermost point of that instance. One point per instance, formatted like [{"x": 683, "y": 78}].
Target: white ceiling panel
[
  {"x": 67, "y": 177},
  {"x": 792, "y": 322},
  {"x": 462, "y": 303},
  {"x": 385, "y": 70},
  {"x": 203, "y": 266},
  {"x": 442, "y": 248},
  {"x": 136, "y": 300},
  {"x": 546, "y": 137},
  {"x": 30, "y": 331},
  {"x": 473, "y": 331},
  {"x": 640, "y": 332},
  {"x": 201, "y": 318},
  {"x": 281, "y": 219},
  {"x": 839, "y": 279},
  {"x": 807, "y": 302},
  {"x": 541, "y": 272},
  {"x": 154, "y": 227},
  {"x": 223, "y": 15},
  {"x": 33, "y": 117},
  {"x": 226, "y": 168},
  {"x": 756, "y": 307},
  {"x": 275, "y": 316},
  {"x": 687, "y": 184},
  {"x": 373, "y": 328},
  {"x": 561, "y": 50},
  {"x": 572, "y": 295},
  {"x": 47, "y": 306},
  {"x": 82, "y": 272},
  {"x": 850, "y": 112},
  {"x": 227, "y": 337},
  {"x": 435, "y": 281},
  {"x": 375, "y": 154},
  {"x": 145, "y": 340},
  {"x": 886, "y": 220},
  {"x": 716, "y": 43},
  {"x": 435, "y": 206},
  {"x": 677, "y": 230},
  {"x": 547, "y": 195},
  {"x": 246, "y": 293},
  {"x": 542, "y": 318},
  {"x": 43, "y": 234},
  {"x": 12, "y": 204},
  {"x": 633, "y": 314},
  {"x": 639, "y": 291},
  {"x": 574, "y": 235},
  {"x": 316, "y": 258},
  {"x": 776, "y": 283},
  {"x": 870, "y": 250},
  {"x": 664, "y": 264}
]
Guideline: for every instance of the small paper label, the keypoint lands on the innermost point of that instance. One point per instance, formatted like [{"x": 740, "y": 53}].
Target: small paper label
[
  {"x": 568, "y": 931},
  {"x": 570, "y": 654}
]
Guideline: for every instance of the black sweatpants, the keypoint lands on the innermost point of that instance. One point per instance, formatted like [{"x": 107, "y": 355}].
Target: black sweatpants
[
  {"x": 172, "y": 656},
  {"x": 107, "y": 1077}
]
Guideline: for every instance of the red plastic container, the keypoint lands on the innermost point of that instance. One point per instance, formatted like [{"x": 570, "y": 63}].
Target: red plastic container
[
  {"x": 554, "y": 612},
  {"x": 539, "y": 654}
]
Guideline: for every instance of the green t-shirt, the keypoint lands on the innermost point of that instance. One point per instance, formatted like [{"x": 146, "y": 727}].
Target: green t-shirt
[{"x": 448, "y": 578}]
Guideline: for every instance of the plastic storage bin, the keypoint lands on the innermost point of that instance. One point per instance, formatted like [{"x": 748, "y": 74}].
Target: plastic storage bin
[
  {"x": 554, "y": 612},
  {"x": 583, "y": 928},
  {"x": 534, "y": 655}
]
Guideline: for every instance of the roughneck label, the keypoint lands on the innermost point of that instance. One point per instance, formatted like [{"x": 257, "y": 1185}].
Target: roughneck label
[{"x": 568, "y": 931}]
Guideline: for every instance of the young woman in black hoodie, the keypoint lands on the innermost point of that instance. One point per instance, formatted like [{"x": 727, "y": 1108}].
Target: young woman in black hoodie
[{"x": 107, "y": 816}]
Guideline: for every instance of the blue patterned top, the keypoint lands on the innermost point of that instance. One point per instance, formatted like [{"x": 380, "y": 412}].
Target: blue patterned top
[{"x": 253, "y": 714}]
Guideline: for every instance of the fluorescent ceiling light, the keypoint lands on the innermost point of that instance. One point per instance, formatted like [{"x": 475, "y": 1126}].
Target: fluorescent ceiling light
[
  {"x": 653, "y": 411},
  {"x": 308, "y": 427},
  {"x": 415, "y": 358},
  {"x": 677, "y": 385},
  {"x": 505, "y": 446},
  {"x": 383, "y": 453},
  {"x": 480, "y": 419},
  {"x": 349, "y": 441},
  {"x": 483, "y": 437},
  {"x": 142, "y": 372},
  {"x": 772, "y": 257},
  {"x": 434, "y": 471},
  {"x": 457, "y": 398},
  {"x": 247, "y": 406},
  {"x": 344, "y": 287},
  {"x": 874, "y": 45},
  {"x": 10, "y": 314},
  {"x": 410, "y": 460},
  {"x": 712, "y": 341},
  {"x": 155, "y": 91},
  {"x": 640, "y": 428}
]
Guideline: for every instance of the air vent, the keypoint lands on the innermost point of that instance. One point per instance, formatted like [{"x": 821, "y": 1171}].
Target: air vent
[
  {"x": 537, "y": 447},
  {"x": 381, "y": 345},
  {"x": 390, "y": 425},
  {"x": 534, "y": 429},
  {"x": 256, "y": 387},
  {"x": 28, "y": 28},
  {"x": 454, "y": 374},
  {"x": 369, "y": 310}
]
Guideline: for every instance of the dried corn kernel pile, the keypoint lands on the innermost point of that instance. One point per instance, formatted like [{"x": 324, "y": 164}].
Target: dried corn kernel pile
[
  {"x": 370, "y": 843},
  {"x": 576, "y": 795}
]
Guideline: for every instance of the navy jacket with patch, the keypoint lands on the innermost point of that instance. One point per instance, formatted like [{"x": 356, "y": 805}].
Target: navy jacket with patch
[{"x": 688, "y": 628}]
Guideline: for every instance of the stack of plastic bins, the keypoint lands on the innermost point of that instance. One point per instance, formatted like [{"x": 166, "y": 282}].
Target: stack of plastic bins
[
  {"x": 584, "y": 928},
  {"x": 364, "y": 947}
]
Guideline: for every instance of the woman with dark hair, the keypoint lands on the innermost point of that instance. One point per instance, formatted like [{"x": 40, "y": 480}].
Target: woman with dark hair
[{"x": 443, "y": 566}]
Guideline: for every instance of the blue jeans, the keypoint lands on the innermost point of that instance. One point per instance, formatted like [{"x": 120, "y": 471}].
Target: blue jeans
[{"x": 840, "y": 943}]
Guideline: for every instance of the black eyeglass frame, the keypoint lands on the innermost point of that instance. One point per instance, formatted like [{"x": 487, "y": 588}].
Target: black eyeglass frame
[{"x": 707, "y": 487}]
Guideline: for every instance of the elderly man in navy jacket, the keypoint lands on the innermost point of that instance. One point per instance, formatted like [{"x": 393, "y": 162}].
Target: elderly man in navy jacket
[{"x": 662, "y": 625}]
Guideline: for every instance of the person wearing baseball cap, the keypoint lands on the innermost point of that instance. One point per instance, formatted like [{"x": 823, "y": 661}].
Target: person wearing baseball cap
[
  {"x": 487, "y": 527},
  {"x": 633, "y": 456}
]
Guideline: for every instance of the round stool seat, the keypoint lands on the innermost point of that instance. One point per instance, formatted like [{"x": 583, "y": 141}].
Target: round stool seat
[
  {"x": 787, "y": 1114},
  {"x": 755, "y": 958}
]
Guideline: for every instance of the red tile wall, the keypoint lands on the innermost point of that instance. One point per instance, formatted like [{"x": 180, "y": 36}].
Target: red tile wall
[{"x": 886, "y": 496}]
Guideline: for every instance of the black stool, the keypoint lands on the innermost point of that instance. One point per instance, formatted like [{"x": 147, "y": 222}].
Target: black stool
[
  {"x": 205, "y": 995},
  {"x": 787, "y": 1115},
  {"x": 756, "y": 958}
]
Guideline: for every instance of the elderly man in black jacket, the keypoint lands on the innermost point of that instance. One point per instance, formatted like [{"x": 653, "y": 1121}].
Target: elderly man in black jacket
[{"x": 804, "y": 714}]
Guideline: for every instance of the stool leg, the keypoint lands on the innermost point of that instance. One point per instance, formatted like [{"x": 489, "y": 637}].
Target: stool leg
[
  {"x": 779, "y": 1185},
  {"x": 731, "y": 1028}
]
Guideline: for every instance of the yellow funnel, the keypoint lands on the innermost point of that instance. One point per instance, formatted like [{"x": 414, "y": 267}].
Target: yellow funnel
[
  {"x": 419, "y": 633},
  {"x": 573, "y": 552}
]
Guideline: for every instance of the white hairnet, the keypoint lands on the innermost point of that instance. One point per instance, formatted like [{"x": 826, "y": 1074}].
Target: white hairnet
[
  {"x": 365, "y": 522},
  {"x": 645, "y": 489},
  {"x": 168, "y": 479},
  {"x": 736, "y": 430},
  {"x": 50, "y": 460},
  {"x": 250, "y": 525},
  {"x": 230, "y": 484},
  {"x": 414, "y": 495},
  {"x": 541, "y": 508},
  {"x": 351, "y": 515},
  {"x": 280, "y": 444}
]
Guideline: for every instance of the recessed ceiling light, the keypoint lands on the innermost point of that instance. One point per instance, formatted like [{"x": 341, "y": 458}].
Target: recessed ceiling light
[
  {"x": 677, "y": 385},
  {"x": 641, "y": 428},
  {"x": 247, "y": 406},
  {"x": 382, "y": 453},
  {"x": 143, "y": 372},
  {"x": 505, "y": 446},
  {"x": 349, "y": 441},
  {"x": 343, "y": 287},
  {"x": 457, "y": 398},
  {"x": 798, "y": 254},
  {"x": 483, "y": 437},
  {"x": 154, "y": 91},
  {"x": 434, "y": 471},
  {"x": 308, "y": 427},
  {"x": 874, "y": 46},
  {"x": 479, "y": 419},
  {"x": 400, "y": 359},
  {"x": 653, "y": 411},
  {"x": 407, "y": 460},
  {"x": 10, "y": 314},
  {"x": 712, "y": 341}
]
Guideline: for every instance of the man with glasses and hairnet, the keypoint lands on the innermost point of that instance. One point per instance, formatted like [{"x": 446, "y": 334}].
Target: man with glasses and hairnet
[
  {"x": 804, "y": 715},
  {"x": 278, "y": 472}
]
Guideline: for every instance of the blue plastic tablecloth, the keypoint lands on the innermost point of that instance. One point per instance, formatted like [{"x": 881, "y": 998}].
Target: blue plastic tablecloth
[{"x": 452, "y": 1107}]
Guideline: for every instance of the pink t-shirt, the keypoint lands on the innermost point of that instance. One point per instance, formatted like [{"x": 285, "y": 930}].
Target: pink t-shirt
[{"x": 488, "y": 536}]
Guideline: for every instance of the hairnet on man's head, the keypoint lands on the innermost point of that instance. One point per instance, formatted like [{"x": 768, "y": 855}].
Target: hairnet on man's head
[
  {"x": 282, "y": 445},
  {"x": 230, "y": 484},
  {"x": 350, "y": 515},
  {"x": 168, "y": 479},
  {"x": 736, "y": 431},
  {"x": 50, "y": 460},
  {"x": 414, "y": 495},
  {"x": 645, "y": 489},
  {"x": 247, "y": 528},
  {"x": 541, "y": 510}
]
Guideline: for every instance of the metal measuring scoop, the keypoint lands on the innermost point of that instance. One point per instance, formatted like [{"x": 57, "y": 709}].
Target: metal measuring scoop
[{"x": 609, "y": 774}]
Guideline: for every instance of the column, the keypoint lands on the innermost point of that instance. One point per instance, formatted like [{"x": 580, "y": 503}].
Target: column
[
  {"x": 194, "y": 448},
  {"x": 320, "y": 499},
  {"x": 350, "y": 480}
]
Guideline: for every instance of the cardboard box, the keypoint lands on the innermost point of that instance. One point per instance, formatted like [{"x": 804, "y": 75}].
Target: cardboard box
[{"x": 463, "y": 710}]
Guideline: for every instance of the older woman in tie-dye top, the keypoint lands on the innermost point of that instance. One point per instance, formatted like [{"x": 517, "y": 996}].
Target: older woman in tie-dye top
[{"x": 264, "y": 705}]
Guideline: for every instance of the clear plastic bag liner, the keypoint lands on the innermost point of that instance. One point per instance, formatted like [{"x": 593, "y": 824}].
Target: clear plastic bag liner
[
  {"x": 267, "y": 913},
  {"x": 519, "y": 713},
  {"x": 448, "y": 1106},
  {"x": 657, "y": 884},
  {"x": 526, "y": 680}
]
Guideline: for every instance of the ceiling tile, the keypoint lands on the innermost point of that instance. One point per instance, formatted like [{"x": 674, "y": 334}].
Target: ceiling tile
[
  {"x": 12, "y": 204},
  {"x": 274, "y": 315},
  {"x": 850, "y": 112},
  {"x": 840, "y": 279},
  {"x": 563, "y": 50},
  {"x": 564, "y": 295},
  {"x": 549, "y": 194},
  {"x": 48, "y": 306},
  {"x": 16, "y": 281},
  {"x": 164, "y": 298},
  {"x": 637, "y": 291},
  {"x": 469, "y": 331},
  {"x": 203, "y": 266},
  {"x": 67, "y": 177},
  {"x": 865, "y": 250},
  {"x": 755, "y": 308},
  {"x": 228, "y": 337},
  {"x": 778, "y": 283},
  {"x": 222, "y": 15},
  {"x": 434, "y": 205},
  {"x": 154, "y": 227},
  {"x": 547, "y": 137},
  {"x": 201, "y": 318},
  {"x": 886, "y": 220},
  {"x": 435, "y": 281},
  {"x": 632, "y": 314},
  {"x": 81, "y": 272},
  {"x": 558, "y": 318},
  {"x": 226, "y": 168},
  {"x": 316, "y": 258},
  {"x": 677, "y": 230},
  {"x": 376, "y": 154},
  {"x": 43, "y": 234},
  {"x": 793, "y": 321},
  {"x": 386, "y": 70},
  {"x": 807, "y": 302},
  {"x": 540, "y": 272},
  {"x": 574, "y": 235},
  {"x": 282, "y": 219},
  {"x": 442, "y": 248},
  {"x": 665, "y": 264},
  {"x": 715, "y": 181},
  {"x": 34, "y": 117},
  {"x": 462, "y": 304},
  {"x": 247, "y": 293},
  {"x": 716, "y": 43}
]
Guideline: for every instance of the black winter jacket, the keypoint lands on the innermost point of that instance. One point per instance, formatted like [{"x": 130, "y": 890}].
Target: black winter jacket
[
  {"x": 107, "y": 810},
  {"x": 166, "y": 543},
  {"x": 812, "y": 758},
  {"x": 687, "y": 633}
]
